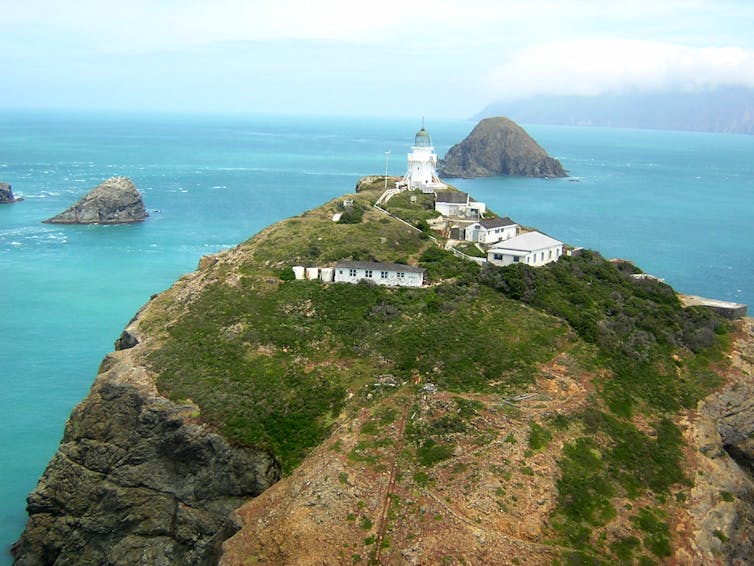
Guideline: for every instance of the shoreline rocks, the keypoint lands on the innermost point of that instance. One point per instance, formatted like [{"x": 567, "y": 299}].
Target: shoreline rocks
[
  {"x": 6, "y": 194},
  {"x": 498, "y": 146},
  {"x": 114, "y": 201}
]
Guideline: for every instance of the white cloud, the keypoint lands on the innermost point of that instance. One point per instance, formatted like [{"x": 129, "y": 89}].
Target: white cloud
[
  {"x": 145, "y": 25},
  {"x": 437, "y": 51},
  {"x": 587, "y": 67}
]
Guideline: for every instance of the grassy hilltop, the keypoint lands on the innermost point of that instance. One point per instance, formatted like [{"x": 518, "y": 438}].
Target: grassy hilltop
[{"x": 552, "y": 434}]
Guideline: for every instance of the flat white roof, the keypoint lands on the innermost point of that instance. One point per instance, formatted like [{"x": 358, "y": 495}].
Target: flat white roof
[{"x": 528, "y": 242}]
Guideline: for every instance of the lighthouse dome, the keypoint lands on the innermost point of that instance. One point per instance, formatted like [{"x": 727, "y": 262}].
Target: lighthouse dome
[{"x": 422, "y": 139}]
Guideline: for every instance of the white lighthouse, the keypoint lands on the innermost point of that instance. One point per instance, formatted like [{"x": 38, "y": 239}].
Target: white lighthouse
[{"x": 421, "y": 165}]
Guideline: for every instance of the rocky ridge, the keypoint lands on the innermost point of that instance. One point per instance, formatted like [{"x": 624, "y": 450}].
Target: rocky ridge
[
  {"x": 114, "y": 201},
  {"x": 498, "y": 146}
]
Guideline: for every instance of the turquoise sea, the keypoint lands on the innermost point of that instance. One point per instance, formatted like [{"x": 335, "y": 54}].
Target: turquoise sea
[{"x": 681, "y": 205}]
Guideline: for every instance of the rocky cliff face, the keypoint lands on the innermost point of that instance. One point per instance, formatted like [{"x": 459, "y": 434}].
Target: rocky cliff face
[
  {"x": 6, "y": 194},
  {"x": 136, "y": 481},
  {"x": 115, "y": 201},
  {"x": 498, "y": 146}
]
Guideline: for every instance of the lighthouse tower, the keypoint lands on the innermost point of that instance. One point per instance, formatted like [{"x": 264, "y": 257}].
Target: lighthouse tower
[{"x": 421, "y": 165}]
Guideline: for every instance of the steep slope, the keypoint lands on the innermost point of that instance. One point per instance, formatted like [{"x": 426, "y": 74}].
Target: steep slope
[
  {"x": 500, "y": 415},
  {"x": 498, "y": 146}
]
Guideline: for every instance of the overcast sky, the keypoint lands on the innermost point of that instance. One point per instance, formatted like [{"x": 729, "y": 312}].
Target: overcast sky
[{"x": 441, "y": 58}]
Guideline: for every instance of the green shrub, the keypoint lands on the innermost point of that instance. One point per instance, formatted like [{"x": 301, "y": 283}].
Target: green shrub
[
  {"x": 636, "y": 324},
  {"x": 657, "y": 534},
  {"x": 539, "y": 436},
  {"x": 352, "y": 214},
  {"x": 422, "y": 479},
  {"x": 624, "y": 548},
  {"x": 286, "y": 274},
  {"x": 431, "y": 453}
]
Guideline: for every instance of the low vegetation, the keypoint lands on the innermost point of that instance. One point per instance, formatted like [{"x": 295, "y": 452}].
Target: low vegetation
[
  {"x": 414, "y": 207},
  {"x": 272, "y": 362}
]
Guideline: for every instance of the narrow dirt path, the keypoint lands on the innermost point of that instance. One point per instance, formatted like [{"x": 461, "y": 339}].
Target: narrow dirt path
[{"x": 383, "y": 519}]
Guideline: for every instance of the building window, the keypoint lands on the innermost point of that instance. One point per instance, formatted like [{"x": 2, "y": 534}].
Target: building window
[
  {"x": 401, "y": 275},
  {"x": 516, "y": 259},
  {"x": 352, "y": 272},
  {"x": 499, "y": 257},
  {"x": 368, "y": 273},
  {"x": 549, "y": 254},
  {"x": 383, "y": 274}
]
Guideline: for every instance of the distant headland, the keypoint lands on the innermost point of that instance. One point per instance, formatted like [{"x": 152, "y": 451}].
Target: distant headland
[{"x": 721, "y": 110}]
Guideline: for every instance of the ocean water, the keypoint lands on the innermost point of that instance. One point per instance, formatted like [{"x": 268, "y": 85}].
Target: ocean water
[{"x": 681, "y": 205}]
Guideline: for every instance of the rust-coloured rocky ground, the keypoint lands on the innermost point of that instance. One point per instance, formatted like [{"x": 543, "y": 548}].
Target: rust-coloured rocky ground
[{"x": 363, "y": 496}]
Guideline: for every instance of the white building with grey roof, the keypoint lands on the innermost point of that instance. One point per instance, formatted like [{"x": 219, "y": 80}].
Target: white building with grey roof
[
  {"x": 491, "y": 230},
  {"x": 389, "y": 274},
  {"x": 457, "y": 204},
  {"x": 531, "y": 248}
]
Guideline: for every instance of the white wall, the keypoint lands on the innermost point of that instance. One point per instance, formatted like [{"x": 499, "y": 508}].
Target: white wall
[
  {"x": 391, "y": 278},
  {"x": 493, "y": 235},
  {"x": 460, "y": 209},
  {"x": 421, "y": 165},
  {"x": 544, "y": 256},
  {"x": 535, "y": 258}
]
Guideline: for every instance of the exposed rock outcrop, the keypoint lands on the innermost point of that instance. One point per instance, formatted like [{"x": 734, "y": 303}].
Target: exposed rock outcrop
[
  {"x": 6, "y": 194},
  {"x": 498, "y": 146},
  {"x": 136, "y": 481},
  {"x": 722, "y": 501},
  {"x": 115, "y": 201}
]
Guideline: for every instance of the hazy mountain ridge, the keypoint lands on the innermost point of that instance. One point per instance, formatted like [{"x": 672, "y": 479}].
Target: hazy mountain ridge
[{"x": 722, "y": 110}]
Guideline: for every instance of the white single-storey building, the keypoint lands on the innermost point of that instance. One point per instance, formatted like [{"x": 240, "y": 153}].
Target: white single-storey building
[
  {"x": 458, "y": 203},
  {"x": 531, "y": 248},
  {"x": 491, "y": 230},
  {"x": 391, "y": 274}
]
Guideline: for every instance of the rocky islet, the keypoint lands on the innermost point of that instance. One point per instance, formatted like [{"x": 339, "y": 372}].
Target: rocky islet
[
  {"x": 498, "y": 146},
  {"x": 6, "y": 194},
  {"x": 114, "y": 201}
]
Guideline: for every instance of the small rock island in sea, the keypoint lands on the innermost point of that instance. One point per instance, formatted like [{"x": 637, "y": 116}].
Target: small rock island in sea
[
  {"x": 499, "y": 146},
  {"x": 6, "y": 194},
  {"x": 114, "y": 201}
]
